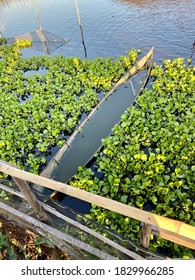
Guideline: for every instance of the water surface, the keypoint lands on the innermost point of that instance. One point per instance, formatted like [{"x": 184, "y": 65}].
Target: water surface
[{"x": 111, "y": 27}]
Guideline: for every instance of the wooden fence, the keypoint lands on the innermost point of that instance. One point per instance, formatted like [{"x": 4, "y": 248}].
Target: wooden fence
[{"x": 169, "y": 229}]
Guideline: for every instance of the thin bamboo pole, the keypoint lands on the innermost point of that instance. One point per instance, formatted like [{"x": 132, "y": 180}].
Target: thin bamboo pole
[
  {"x": 79, "y": 22},
  {"x": 37, "y": 14},
  {"x": 40, "y": 27}
]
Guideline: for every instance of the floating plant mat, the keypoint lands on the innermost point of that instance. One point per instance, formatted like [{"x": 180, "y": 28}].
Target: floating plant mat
[
  {"x": 148, "y": 161},
  {"x": 89, "y": 140},
  {"x": 39, "y": 111},
  {"x": 93, "y": 235},
  {"x": 42, "y": 40}
]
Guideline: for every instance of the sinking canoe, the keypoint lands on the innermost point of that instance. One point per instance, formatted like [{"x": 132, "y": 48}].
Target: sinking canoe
[{"x": 85, "y": 141}]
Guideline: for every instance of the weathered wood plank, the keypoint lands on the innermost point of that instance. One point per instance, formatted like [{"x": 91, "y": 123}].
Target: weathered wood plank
[
  {"x": 176, "y": 238},
  {"x": 145, "y": 235},
  {"x": 31, "y": 198}
]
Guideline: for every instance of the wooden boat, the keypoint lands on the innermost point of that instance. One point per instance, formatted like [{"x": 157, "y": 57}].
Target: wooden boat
[{"x": 54, "y": 163}]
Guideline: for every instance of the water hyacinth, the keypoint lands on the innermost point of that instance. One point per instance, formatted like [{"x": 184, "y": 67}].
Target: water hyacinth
[
  {"x": 148, "y": 161},
  {"x": 43, "y": 99}
]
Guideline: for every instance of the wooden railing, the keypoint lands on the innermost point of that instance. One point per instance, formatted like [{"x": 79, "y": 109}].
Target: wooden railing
[{"x": 164, "y": 227}]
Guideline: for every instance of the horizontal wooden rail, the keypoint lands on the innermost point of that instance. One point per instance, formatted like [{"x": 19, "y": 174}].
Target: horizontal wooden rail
[
  {"x": 176, "y": 238},
  {"x": 163, "y": 225}
]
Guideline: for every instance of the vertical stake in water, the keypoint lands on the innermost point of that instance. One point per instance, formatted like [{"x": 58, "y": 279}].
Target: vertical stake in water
[
  {"x": 193, "y": 50},
  {"x": 40, "y": 27},
  {"x": 82, "y": 34}
]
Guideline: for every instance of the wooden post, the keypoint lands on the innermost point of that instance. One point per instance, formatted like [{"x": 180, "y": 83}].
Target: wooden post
[
  {"x": 132, "y": 87},
  {"x": 145, "y": 235},
  {"x": 29, "y": 195},
  {"x": 40, "y": 33},
  {"x": 31, "y": 198},
  {"x": 82, "y": 34}
]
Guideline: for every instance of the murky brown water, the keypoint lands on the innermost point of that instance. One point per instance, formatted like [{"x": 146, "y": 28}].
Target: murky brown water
[{"x": 111, "y": 27}]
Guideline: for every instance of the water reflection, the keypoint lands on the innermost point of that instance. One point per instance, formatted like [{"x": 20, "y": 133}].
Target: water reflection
[
  {"x": 111, "y": 27},
  {"x": 170, "y": 22},
  {"x": 8, "y": 2},
  {"x": 152, "y": 3}
]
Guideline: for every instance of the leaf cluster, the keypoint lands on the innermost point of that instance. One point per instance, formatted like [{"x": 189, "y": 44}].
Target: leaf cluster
[
  {"x": 39, "y": 111},
  {"x": 149, "y": 160}
]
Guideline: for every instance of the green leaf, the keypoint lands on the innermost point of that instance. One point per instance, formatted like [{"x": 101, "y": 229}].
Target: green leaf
[
  {"x": 154, "y": 199},
  {"x": 193, "y": 168},
  {"x": 124, "y": 198},
  {"x": 144, "y": 157}
]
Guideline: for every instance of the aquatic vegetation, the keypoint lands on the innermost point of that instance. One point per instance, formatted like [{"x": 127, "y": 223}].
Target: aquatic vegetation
[
  {"x": 24, "y": 43},
  {"x": 39, "y": 111},
  {"x": 149, "y": 160},
  {"x": 3, "y": 41}
]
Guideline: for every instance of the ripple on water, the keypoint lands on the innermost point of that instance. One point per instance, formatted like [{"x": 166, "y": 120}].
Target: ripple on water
[{"x": 111, "y": 27}]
